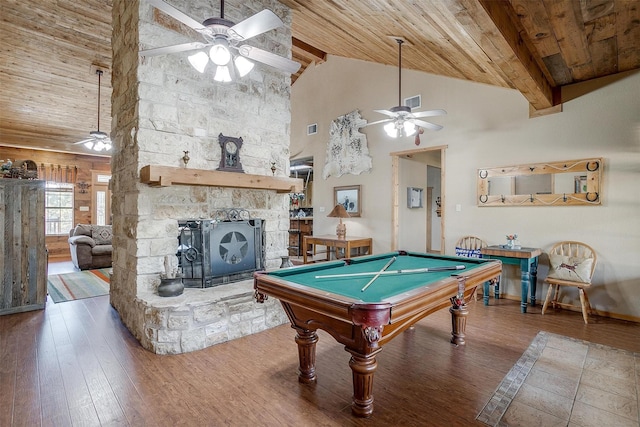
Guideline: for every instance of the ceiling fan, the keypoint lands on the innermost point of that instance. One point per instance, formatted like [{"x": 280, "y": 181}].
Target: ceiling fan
[
  {"x": 98, "y": 141},
  {"x": 401, "y": 121},
  {"x": 223, "y": 39}
]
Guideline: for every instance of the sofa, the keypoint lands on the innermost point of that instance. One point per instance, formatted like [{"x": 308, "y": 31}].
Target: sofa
[{"x": 90, "y": 246}]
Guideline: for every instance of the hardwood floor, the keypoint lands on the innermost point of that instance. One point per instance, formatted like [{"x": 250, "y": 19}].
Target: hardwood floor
[
  {"x": 60, "y": 267},
  {"x": 74, "y": 363}
]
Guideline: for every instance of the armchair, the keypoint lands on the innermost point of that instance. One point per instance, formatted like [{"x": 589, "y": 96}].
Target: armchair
[{"x": 90, "y": 246}]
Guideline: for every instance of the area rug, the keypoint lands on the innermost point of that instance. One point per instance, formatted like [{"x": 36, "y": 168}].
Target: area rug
[
  {"x": 78, "y": 285},
  {"x": 562, "y": 381}
]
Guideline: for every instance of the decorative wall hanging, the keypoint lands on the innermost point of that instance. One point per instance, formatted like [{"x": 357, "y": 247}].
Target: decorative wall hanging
[
  {"x": 349, "y": 197},
  {"x": 414, "y": 197},
  {"x": 347, "y": 150}
]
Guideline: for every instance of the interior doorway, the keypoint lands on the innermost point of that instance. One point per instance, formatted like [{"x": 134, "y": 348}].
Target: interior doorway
[
  {"x": 405, "y": 227},
  {"x": 101, "y": 198}
]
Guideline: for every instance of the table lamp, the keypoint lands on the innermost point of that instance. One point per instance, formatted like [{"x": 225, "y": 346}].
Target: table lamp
[{"x": 340, "y": 212}]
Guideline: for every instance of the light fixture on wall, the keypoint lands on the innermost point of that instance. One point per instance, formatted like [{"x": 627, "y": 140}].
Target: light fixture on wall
[
  {"x": 83, "y": 186},
  {"x": 222, "y": 38},
  {"x": 98, "y": 141},
  {"x": 401, "y": 121}
]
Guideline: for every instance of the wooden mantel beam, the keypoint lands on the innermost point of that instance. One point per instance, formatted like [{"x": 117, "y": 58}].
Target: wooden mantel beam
[
  {"x": 494, "y": 26},
  {"x": 165, "y": 176}
]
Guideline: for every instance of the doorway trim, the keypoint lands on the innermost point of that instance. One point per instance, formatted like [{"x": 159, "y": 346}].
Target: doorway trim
[{"x": 395, "y": 191}]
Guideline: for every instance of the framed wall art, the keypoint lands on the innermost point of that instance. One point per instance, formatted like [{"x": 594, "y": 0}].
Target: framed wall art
[
  {"x": 349, "y": 197},
  {"x": 414, "y": 197}
]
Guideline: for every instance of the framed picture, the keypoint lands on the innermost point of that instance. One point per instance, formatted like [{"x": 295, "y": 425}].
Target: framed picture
[
  {"x": 414, "y": 197},
  {"x": 349, "y": 197}
]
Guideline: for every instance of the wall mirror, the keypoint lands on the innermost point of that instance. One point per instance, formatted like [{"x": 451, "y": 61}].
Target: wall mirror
[{"x": 571, "y": 182}]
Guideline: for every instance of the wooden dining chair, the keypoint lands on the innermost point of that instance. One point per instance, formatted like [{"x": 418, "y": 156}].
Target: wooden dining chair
[
  {"x": 470, "y": 247},
  {"x": 570, "y": 264}
]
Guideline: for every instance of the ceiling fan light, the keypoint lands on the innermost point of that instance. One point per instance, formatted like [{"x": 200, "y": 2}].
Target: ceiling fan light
[
  {"x": 89, "y": 145},
  {"x": 243, "y": 65},
  {"x": 390, "y": 129},
  {"x": 199, "y": 61},
  {"x": 222, "y": 74},
  {"x": 409, "y": 128},
  {"x": 99, "y": 146},
  {"x": 219, "y": 53},
  {"x": 107, "y": 146}
]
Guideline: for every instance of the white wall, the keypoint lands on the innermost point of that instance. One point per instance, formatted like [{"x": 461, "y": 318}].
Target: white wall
[
  {"x": 412, "y": 238},
  {"x": 488, "y": 126}
]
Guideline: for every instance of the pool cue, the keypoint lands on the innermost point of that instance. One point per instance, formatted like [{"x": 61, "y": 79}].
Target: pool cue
[
  {"x": 378, "y": 275},
  {"x": 415, "y": 270}
]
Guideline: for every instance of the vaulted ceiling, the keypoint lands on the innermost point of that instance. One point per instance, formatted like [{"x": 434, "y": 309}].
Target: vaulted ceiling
[{"x": 51, "y": 48}]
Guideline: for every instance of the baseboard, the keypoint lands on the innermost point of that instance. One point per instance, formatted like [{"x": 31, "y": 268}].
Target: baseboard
[
  {"x": 59, "y": 258},
  {"x": 600, "y": 313}
]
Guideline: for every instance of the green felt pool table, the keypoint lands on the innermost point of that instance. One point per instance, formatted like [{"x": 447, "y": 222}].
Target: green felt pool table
[{"x": 314, "y": 298}]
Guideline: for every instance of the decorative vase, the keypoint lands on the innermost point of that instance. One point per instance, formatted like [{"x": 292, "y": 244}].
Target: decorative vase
[
  {"x": 286, "y": 262},
  {"x": 170, "y": 287},
  {"x": 511, "y": 244}
]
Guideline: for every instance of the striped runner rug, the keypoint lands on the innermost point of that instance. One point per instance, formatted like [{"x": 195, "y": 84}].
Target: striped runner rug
[{"x": 78, "y": 285}]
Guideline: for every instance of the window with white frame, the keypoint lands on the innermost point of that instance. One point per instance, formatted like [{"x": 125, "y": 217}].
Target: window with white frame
[{"x": 58, "y": 210}]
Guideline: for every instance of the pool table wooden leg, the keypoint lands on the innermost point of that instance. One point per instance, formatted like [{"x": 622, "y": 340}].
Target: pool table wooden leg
[
  {"x": 363, "y": 368},
  {"x": 458, "y": 323},
  {"x": 306, "y": 340}
]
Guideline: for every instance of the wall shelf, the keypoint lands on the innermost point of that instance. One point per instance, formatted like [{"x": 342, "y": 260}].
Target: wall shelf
[{"x": 165, "y": 176}]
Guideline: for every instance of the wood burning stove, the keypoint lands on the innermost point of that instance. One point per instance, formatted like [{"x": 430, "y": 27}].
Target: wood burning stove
[{"x": 224, "y": 249}]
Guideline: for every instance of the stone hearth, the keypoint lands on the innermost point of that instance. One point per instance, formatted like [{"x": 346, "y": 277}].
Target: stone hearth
[{"x": 200, "y": 318}]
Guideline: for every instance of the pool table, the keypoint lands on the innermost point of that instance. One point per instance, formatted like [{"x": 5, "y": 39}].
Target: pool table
[{"x": 314, "y": 298}]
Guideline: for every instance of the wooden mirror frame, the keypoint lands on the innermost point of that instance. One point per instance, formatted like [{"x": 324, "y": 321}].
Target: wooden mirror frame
[{"x": 591, "y": 168}]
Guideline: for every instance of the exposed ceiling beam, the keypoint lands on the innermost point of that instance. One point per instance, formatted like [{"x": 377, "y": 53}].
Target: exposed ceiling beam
[
  {"x": 494, "y": 26},
  {"x": 318, "y": 55}
]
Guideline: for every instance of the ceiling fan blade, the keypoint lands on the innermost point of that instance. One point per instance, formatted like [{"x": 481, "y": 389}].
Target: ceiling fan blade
[
  {"x": 380, "y": 121},
  {"x": 426, "y": 125},
  {"x": 387, "y": 113},
  {"x": 276, "y": 61},
  {"x": 84, "y": 141},
  {"x": 429, "y": 113},
  {"x": 259, "y": 23},
  {"x": 175, "y": 13},
  {"x": 173, "y": 49}
]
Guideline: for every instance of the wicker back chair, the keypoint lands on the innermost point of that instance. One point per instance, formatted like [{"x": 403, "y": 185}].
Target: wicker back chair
[{"x": 571, "y": 264}]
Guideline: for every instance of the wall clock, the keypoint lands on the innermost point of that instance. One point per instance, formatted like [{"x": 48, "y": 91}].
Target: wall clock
[{"x": 230, "y": 156}]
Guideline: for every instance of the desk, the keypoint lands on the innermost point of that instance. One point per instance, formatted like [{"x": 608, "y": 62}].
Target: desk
[
  {"x": 364, "y": 321},
  {"x": 527, "y": 259},
  {"x": 332, "y": 241}
]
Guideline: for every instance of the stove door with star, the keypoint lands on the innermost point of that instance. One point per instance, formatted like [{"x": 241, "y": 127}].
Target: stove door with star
[
  {"x": 235, "y": 249},
  {"x": 213, "y": 252}
]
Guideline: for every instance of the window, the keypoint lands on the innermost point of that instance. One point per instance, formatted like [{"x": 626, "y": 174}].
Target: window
[{"x": 58, "y": 211}]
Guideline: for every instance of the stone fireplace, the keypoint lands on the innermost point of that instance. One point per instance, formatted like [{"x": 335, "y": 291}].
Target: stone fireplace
[{"x": 161, "y": 108}]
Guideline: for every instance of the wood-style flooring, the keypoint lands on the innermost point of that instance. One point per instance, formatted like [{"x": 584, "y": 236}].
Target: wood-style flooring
[{"x": 74, "y": 363}]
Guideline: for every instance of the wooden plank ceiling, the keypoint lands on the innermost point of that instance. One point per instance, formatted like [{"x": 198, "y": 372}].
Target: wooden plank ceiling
[{"x": 51, "y": 48}]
